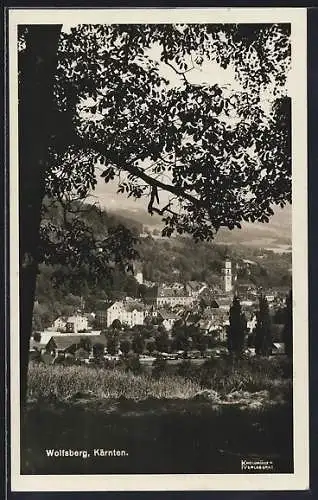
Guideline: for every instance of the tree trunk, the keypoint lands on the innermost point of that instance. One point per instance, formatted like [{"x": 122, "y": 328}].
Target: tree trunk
[{"x": 37, "y": 66}]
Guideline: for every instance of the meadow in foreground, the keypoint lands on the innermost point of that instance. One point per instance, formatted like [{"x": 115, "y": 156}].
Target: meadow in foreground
[{"x": 193, "y": 423}]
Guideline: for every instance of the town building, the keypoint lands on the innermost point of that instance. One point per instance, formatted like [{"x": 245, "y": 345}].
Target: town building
[
  {"x": 173, "y": 296},
  {"x": 62, "y": 344},
  {"x": 76, "y": 323},
  {"x": 195, "y": 288},
  {"x": 59, "y": 323},
  {"x": 138, "y": 274},
  {"x": 71, "y": 324},
  {"x": 46, "y": 335},
  {"x": 224, "y": 302},
  {"x": 127, "y": 312},
  {"x": 168, "y": 319}
]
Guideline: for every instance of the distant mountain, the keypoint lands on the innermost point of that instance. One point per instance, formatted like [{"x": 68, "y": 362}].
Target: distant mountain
[
  {"x": 275, "y": 233},
  {"x": 138, "y": 214},
  {"x": 278, "y": 232}
]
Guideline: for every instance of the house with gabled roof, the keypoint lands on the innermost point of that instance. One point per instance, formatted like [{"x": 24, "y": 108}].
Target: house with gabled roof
[
  {"x": 70, "y": 343},
  {"x": 59, "y": 323},
  {"x": 36, "y": 346},
  {"x": 168, "y": 318},
  {"x": 195, "y": 288},
  {"x": 130, "y": 312}
]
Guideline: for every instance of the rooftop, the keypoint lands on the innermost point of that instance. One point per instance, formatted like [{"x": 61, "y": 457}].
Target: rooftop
[
  {"x": 171, "y": 292},
  {"x": 168, "y": 315},
  {"x": 65, "y": 341},
  {"x": 196, "y": 285}
]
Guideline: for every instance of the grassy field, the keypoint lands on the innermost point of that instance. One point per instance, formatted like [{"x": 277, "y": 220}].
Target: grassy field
[
  {"x": 202, "y": 422},
  {"x": 178, "y": 380},
  {"x": 60, "y": 382}
]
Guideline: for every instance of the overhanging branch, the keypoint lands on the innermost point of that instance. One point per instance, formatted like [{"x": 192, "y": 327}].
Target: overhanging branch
[{"x": 141, "y": 174}]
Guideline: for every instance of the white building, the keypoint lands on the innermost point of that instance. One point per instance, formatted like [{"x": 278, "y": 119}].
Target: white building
[
  {"x": 247, "y": 303},
  {"x": 138, "y": 274},
  {"x": 270, "y": 298},
  {"x": 251, "y": 323},
  {"x": 139, "y": 277},
  {"x": 126, "y": 312},
  {"x": 59, "y": 323},
  {"x": 46, "y": 335},
  {"x": 76, "y": 323}
]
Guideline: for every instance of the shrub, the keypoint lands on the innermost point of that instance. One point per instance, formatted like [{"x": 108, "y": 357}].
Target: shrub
[
  {"x": 159, "y": 367},
  {"x": 187, "y": 370},
  {"x": 132, "y": 364},
  {"x": 252, "y": 374}
]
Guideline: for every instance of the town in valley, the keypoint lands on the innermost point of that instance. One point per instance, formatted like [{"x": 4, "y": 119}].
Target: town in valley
[{"x": 172, "y": 320}]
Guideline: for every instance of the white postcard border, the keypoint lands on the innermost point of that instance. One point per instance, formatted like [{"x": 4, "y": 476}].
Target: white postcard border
[{"x": 299, "y": 480}]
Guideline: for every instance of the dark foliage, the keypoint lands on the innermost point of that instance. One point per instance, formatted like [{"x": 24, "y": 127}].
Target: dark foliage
[
  {"x": 263, "y": 338},
  {"x": 132, "y": 364},
  {"x": 138, "y": 344},
  {"x": 236, "y": 331},
  {"x": 159, "y": 367}
]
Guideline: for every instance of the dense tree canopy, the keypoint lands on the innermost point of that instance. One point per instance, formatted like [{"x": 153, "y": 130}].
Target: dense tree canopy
[{"x": 219, "y": 154}]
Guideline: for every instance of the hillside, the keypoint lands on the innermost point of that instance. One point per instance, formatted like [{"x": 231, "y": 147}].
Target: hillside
[
  {"x": 275, "y": 234},
  {"x": 180, "y": 258}
]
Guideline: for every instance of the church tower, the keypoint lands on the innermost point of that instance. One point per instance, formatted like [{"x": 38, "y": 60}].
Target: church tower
[
  {"x": 139, "y": 277},
  {"x": 138, "y": 274},
  {"x": 228, "y": 276}
]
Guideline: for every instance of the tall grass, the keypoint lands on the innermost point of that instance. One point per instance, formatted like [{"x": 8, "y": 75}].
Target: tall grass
[
  {"x": 63, "y": 382},
  {"x": 224, "y": 377}
]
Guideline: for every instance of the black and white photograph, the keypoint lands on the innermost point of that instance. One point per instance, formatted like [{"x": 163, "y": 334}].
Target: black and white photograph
[{"x": 158, "y": 249}]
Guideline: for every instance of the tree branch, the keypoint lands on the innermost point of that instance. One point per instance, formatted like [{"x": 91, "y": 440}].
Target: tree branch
[
  {"x": 178, "y": 72},
  {"x": 141, "y": 174},
  {"x": 138, "y": 172}
]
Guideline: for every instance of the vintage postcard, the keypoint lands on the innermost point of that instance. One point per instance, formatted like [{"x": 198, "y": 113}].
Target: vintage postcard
[{"x": 158, "y": 249}]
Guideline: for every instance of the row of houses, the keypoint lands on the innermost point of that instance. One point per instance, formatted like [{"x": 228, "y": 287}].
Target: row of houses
[
  {"x": 170, "y": 303},
  {"x": 63, "y": 343},
  {"x": 82, "y": 346},
  {"x": 132, "y": 313}
]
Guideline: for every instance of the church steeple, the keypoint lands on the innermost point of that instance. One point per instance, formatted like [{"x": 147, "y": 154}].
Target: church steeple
[
  {"x": 227, "y": 275},
  {"x": 138, "y": 274}
]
